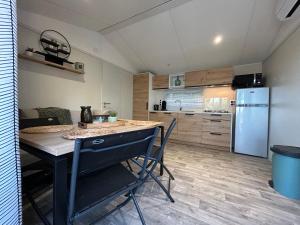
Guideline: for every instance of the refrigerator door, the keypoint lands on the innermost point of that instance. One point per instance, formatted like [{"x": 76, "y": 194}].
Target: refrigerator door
[
  {"x": 251, "y": 130},
  {"x": 252, "y": 96}
]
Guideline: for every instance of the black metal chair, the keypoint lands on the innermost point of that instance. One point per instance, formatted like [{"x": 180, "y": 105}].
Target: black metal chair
[
  {"x": 36, "y": 176},
  {"x": 98, "y": 176},
  {"x": 156, "y": 158}
]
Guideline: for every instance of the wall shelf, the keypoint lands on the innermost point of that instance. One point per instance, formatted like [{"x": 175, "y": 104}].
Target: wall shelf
[{"x": 34, "y": 59}]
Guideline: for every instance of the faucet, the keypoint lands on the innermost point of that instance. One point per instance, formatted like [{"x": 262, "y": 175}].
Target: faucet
[{"x": 179, "y": 101}]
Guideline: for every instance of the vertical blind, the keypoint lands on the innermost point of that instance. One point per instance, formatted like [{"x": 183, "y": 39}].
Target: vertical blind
[{"x": 10, "y": 184}]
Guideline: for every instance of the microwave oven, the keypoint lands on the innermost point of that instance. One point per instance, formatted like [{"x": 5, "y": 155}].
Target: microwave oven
[{"x": 248, "y": 81}]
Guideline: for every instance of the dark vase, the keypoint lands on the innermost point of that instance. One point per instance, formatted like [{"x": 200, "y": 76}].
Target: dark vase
[
  {"x": 177, "y": 81},
  {"x": 86, "y": 114}
]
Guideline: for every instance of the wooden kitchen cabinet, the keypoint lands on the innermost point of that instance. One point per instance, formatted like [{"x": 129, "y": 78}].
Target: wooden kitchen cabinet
[
  {"x": 216, "y": 139},
  {"x": 216, "y": 130},
  {"x": 195, "y": 128},
  {"x": 190, "y": 127},
  {"x": 140, "y": 96},
  {"x": 160, "y": 82},
  {"x": 209, "y": 77},
  {"x": 218, "y": 76},
  {"x": 166, "y": 118},
  {"x": 154, "y": 116},
  {"x": 195, "y": 78}
]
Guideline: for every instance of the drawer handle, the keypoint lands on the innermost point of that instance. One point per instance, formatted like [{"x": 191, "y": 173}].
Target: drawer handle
[
  {"x": 189, "y": 114},
  {"x": 215, "y": 114},
  {"x": 167, "y": 113},
  {"x": 217, "y": 121},
  {"x": 153, "y": 112},
  {"x": 218, "y": 134}
]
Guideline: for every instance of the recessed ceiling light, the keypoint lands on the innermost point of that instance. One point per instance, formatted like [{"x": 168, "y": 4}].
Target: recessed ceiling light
[{"x": 218, "y": 39}]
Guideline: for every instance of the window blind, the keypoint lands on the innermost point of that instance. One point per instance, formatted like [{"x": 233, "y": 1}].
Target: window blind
[{"x": 10, "y": 183}]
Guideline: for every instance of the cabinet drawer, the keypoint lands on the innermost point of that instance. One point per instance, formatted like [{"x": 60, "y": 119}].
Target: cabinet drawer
[
  {"x": 154, "y": 116},
  {"x": 215, "y": 138},
  {"x": 190, "y": 127},
  {"x": 217, "y": 125},
  {"x": 213, "y": 116}
]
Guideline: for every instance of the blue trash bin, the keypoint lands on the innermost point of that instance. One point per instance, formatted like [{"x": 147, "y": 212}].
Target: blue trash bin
[{"x": 286, "y": 170}]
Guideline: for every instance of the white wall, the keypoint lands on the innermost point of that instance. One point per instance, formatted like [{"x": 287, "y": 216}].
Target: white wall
[
  {"x": 247, "y": 68},
  {"x": 44, "y": 86},
  {"x": 283, "y": 76},
  {"x": 86, "y": 40}
]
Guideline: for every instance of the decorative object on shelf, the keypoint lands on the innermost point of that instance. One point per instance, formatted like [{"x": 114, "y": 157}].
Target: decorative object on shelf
[
  {"x": 177, "y": 82},
  {"x": 56, "y": 46},
  {"x": 112, "y": 116},
  {"x": 86, "y": 114},
  {"x": 79, "y": 66}
]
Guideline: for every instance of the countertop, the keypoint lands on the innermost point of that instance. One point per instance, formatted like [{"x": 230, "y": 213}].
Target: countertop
[{"x": 193, "y": 112}]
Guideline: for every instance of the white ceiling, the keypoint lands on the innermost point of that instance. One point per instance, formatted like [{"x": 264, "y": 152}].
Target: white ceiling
[
  {"x": 179, "y": 37},
  {"x": 97, "y": 15}
]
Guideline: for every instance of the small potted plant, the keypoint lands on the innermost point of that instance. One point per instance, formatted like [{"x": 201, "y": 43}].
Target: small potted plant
[{"x": 112, "y": 116}]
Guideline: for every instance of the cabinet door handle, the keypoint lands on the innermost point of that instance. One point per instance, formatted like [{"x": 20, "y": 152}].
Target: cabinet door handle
[
  {"x": 146, "y": 105},
  {"x": 218, "y": 134},
  {"x": 217, "y": 121},
  {"x": 215, "y": 114},
  {"x": 189, "y": 114}
]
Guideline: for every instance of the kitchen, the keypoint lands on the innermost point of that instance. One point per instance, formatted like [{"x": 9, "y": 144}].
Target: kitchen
[
  {"x": 203, "y": 103},
  {"x": 150, "y": 112}
]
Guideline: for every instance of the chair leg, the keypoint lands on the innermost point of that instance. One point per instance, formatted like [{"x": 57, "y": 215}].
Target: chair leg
[
  {"x": 149, "y": 164},
  {"x": 137, "y": 208},
  {"x": 162, "y": 187},
  {"x": 168, "y": 171},
  {"x": 37, "y": 210},
  {"x": 110, "y": 212},
  {"x": 129, "y": 166}
]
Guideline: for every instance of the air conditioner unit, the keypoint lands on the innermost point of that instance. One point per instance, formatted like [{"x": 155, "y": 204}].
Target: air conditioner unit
[{"x": 287, "y": 9}]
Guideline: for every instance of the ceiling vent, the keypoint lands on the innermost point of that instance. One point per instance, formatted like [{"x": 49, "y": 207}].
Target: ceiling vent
[{"x": 287, "y": 9}]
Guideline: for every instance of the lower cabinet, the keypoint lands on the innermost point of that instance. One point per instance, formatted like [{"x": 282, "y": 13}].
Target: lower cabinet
[
  {"x": 166, "y": 118},
  {"x": 190, "y": 127},
  {"x": 205, "y": 129},
  {"x": 216, "y": 138}
]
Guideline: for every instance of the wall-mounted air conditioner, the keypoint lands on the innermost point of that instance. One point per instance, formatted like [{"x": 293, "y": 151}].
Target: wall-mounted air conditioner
[{"x": 287, "y": 9}]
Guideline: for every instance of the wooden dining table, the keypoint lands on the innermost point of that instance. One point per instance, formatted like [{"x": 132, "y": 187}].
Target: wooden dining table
[{"x": 57, "y": 150}]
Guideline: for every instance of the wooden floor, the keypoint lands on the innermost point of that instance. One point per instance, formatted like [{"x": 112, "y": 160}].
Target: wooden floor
[{"x": 211, "y": 187}]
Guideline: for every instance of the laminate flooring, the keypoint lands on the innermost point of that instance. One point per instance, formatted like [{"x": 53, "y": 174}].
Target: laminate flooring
[{"x": 210, "y": 187}]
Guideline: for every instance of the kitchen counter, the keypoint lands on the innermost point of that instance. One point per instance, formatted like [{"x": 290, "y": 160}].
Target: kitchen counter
[
  {"x": 193, "y": 112},
  {"x": 213, "y": 130}
]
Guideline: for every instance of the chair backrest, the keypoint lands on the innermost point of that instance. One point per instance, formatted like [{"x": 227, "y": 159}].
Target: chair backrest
[
  {"x": 25, "y": 123},
  {"x": 159, "y": 155},
  {"x": 169, "y": 131},
  {"x": 93, "y": 154}
]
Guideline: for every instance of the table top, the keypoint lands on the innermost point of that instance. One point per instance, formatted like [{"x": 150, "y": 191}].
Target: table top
[{"x": 55, "y": 144}]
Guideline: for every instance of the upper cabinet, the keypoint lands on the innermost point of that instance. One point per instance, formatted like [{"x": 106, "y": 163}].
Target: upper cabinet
[
  {"x": 209, "y": 77},
  {"x": 219, "y": 76},
  {"x": 195, "y": 78},
  {"x": 160, "y": 82},
  {"x": 199, "y": 78}
]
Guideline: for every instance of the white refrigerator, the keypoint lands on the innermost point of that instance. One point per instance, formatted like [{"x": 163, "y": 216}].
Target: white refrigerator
[{"x": 252, "y": 121}]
